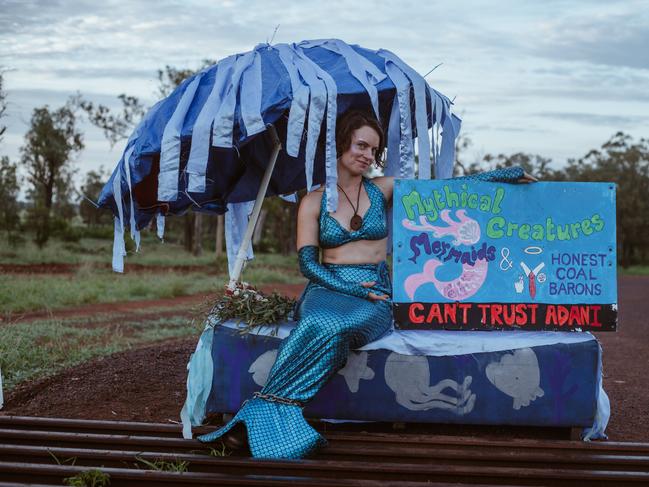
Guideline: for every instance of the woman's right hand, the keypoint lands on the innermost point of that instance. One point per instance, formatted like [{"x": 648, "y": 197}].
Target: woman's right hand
[{"x": 373, "y": 296}]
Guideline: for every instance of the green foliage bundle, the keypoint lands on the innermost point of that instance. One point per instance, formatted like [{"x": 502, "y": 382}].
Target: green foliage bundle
[{"x": 251, "y": 308}]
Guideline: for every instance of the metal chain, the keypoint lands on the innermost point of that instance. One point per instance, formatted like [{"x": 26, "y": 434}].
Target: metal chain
[{"x": 278, "y": 399}]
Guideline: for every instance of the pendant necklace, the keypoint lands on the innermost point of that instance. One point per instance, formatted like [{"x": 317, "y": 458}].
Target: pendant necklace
[{"x": 356, "y": 221}]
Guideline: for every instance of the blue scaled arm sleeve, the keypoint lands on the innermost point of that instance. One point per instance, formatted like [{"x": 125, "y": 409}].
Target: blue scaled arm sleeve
[
  {"x": 506, "y": 175},
  {"x": 308, "y": 257}
]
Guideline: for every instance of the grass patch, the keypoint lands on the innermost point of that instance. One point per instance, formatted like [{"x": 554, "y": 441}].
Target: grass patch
[
  {"x": 20, "y": 293},
  {"x": 160, "y": 465},
  {"x": 89, "y": 478},
  {"x": 41, "y": 348},
  {"x": 634, "y": 270},
  {"x": 92, "y": 284},
  {"x": 57, "y": 251},
  {"x": 100, "y": 251}
]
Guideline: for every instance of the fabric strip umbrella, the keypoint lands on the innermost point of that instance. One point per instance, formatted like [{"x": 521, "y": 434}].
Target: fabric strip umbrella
[{"x": 263, "y": 123}]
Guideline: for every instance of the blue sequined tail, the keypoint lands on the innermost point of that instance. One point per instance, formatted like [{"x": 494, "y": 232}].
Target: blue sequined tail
[{"x": 330, "y": 324}]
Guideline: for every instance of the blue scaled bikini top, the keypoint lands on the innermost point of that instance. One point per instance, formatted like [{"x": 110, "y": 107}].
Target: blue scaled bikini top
[{"x": 374, "y": 227}]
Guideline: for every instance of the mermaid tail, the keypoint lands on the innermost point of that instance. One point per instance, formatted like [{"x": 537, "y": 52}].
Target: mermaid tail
[
  {"x": 330, "y": 324},
  {"x": 274, "y": 430}
]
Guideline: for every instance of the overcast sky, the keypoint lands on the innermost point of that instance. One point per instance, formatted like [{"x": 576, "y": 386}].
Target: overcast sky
[{"x": 553, "y": 77}]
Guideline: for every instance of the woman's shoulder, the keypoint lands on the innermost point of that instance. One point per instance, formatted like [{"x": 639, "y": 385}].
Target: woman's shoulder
[
  {"x": 311, "y": 201},
  {"x": 385, "y": 184}
]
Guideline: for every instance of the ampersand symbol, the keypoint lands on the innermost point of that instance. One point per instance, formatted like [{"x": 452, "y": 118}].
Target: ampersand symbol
[{"x": 505, "y": 263}]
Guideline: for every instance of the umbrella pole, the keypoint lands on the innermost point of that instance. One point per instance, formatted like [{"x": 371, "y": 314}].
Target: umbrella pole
[{"x": 252, "y": 221}]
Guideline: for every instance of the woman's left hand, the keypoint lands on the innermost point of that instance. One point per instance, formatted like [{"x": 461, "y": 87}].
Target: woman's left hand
[
  {"x": 373, "y": 296},
  {"x": 528, "y": 178},
  {"x": 377, "y": 297}
]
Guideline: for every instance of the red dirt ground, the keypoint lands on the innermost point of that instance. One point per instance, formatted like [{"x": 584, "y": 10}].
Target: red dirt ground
[{"x": 125, "y": 386}]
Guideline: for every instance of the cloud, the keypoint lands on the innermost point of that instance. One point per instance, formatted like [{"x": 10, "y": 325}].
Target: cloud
[
  {"x": 601, "y": 36},
  {"x": 605, "y": 120},
  {"x": 513, "y": 65}
]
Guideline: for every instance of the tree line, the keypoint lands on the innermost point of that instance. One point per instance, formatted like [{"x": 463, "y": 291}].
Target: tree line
[{"x": 53, "y": 141}]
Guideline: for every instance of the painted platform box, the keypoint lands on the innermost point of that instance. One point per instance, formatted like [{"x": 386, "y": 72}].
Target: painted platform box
[{"x": 476, "y": 255}]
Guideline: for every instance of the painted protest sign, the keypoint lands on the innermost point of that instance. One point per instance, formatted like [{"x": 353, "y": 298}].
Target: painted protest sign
[{"x": 475, "y": 255}]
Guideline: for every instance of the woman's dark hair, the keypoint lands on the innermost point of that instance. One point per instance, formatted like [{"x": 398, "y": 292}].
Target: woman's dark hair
[{"x": 352, "y": 120}]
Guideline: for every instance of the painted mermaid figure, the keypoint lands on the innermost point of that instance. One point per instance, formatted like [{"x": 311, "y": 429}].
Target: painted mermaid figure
[{"x": 346, "y": 304}]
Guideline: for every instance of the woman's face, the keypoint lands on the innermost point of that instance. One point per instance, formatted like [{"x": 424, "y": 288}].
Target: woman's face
[{"x": 362, "y": 150}]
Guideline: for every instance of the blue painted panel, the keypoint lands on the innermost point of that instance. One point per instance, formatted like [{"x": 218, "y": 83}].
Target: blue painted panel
[
  {"x": 546, "y": 251},
  {"x": 546, "y": 386}
]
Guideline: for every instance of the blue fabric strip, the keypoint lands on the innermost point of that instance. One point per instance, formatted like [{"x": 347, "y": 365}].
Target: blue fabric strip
[
  {"x": 419, "y": 85},
  {"x": 299, "y": 105},
  {"x": 200, "y": 371},
  {"x": 135, "y": 233},
  {"x": 119, "y": 249},
  {"x": 603, "y": 410},
  {"x": 224, "y": 120},
  {"x": 435, "y": 109},
  {"x": 236, "y": 221},
  {"x": 199, "y": 152},
  {"x": 393, "y": 140},
  {"x": 406, "y": 148},
  {"x": 250, "y": 99},
  {"x": 317, "y": 107},
  {"x": 361, "y": 68},
  {"x": 450, "y": 130},
  {"x": 291, "y": 198},
  {"x": 331, "y": 175},
  {"x": 160, "y": 225},
  {"x": 170, "y": 144}
]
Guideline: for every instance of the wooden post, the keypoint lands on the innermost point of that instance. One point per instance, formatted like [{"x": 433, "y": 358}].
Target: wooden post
[
  {"x": 220, "y": 231},
  {"x": 252, "y": 221}
]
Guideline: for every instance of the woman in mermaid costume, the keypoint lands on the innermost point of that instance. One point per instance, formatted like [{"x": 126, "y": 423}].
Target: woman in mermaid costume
[{"x": 346, "y": 304}]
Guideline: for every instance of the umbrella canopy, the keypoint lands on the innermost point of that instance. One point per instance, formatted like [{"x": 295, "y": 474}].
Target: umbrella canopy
[{"x": 206, "y": 146}]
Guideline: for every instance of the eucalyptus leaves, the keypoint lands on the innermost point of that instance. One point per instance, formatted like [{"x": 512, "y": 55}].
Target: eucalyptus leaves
[{"x": 251, "y": 308}]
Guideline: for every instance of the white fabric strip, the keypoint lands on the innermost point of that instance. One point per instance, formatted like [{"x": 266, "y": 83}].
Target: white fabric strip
[{"x": 440, "y": 343}]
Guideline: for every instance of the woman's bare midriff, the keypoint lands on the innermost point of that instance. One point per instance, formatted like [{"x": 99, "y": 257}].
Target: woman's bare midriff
[{"x": 358, "y": 252}]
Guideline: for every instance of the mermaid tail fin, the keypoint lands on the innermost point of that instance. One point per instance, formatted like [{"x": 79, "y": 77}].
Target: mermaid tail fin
[{"x": 274, "y": 430}]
